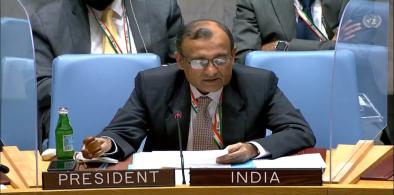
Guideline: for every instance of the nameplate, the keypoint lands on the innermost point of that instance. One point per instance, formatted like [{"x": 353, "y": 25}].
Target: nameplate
[
  {"x": 108, "y": 179},
  {"x": 256, "y": 177}
]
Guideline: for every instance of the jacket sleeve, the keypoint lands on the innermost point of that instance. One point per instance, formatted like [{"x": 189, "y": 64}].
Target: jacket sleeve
[
  {"x": 310, "y": 45},
  {"x": 43, "y": 58},
  {"x": 174, "y": 24},
  {"x": 290, "y": 131},
  {"x": 129, "y": 126}
]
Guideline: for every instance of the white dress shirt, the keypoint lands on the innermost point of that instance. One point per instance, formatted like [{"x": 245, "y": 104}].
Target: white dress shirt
[{"x": 96, "y": 34}]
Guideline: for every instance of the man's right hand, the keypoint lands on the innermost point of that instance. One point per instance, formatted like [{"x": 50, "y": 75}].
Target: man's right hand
[{"x": 95, "y": 146}]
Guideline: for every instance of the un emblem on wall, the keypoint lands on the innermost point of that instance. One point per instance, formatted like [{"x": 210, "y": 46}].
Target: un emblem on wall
[{"x": 372, "y": 21}]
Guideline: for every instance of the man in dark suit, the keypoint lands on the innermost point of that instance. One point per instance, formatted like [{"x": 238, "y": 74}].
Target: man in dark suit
[
  {"x": 267, "y": 24},
  {"x": 70, "y": 27},
  {"x": 240, "y": 104}
]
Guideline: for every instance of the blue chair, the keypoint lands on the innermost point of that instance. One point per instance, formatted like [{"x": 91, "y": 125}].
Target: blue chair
[
  {"x": 16, "y": 39},
  {"x": 306, "y": 78},
  {"x": 18, "y": 103},
  {"x": 93, "y": 88}
]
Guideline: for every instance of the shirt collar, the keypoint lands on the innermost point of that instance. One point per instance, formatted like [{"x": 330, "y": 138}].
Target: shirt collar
[
  {"x": 116, "y": 6},
  {"x": 215, "y": 96}
]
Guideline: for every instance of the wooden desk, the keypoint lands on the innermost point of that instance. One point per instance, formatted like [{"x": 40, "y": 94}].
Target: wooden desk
[
  {"x": 187, "y": 190},
  {"x": 363, "y": 187}
]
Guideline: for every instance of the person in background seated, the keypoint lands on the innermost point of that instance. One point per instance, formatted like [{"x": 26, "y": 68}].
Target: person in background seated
[
  {"x": 286, "y": 25},
  {"x": 98, "y": 27},
  {"x": 223, "y": 105}
]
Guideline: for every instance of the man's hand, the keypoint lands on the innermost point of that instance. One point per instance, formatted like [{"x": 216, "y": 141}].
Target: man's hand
[
  {"x": 95, "y": 146},
  {"x": 269, "y": 46},
  {"x": 334, "y": 37},
  {"x": 349, "y": 30},
  {"x": 238, "y": 153}
]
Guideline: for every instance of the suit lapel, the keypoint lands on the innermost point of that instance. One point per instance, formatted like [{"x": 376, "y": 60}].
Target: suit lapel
[
  {"x": 79, "y": 27},
  {"x": 234, "y": 117},
  {"x": 284, "y": 10},
  {"x": 180, "y": 102},
  {"x": 138, "y": 9},
  {"x": 327, "y": 17}
]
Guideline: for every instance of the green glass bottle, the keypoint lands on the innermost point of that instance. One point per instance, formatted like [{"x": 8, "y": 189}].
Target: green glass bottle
[{"x": 64, "y": 136}]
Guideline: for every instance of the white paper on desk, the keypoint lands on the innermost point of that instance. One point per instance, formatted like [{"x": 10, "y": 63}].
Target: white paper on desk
[
  {"x": 296, "y": 161},
  {"x": 192, "y": 159},
  {"x": 102, "y": 159}
]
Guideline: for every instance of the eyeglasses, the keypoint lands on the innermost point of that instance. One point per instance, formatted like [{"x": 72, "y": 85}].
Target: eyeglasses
[{"x": 201, "y": 63}]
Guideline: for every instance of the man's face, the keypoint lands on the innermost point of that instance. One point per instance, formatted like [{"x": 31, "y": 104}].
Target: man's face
[
  {"x": 98, "y": 4},
  {"x": 211, "y": 77}
]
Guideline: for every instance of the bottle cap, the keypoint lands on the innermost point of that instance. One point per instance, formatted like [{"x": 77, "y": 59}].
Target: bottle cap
[{"x": 63, "y": 110}]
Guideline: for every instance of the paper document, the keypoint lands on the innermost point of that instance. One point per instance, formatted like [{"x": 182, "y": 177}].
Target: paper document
[
  {"x": 303, "y": 161},
  {"x": 102, "y": 159},
  {"x": 207, "y": 159},
  {"x": 171, "y": 159}
]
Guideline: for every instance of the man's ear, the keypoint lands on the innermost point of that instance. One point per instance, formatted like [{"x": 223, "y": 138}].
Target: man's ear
[
  {"x": 233, "y": 52},
  {"x": 179, "y": 58}
]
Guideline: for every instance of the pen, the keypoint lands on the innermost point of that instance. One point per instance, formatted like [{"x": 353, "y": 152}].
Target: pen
[{"x": 103, "y": 166}]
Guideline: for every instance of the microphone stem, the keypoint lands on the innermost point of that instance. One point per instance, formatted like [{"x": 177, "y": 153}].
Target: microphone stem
[{"x": 181, "y": 153}]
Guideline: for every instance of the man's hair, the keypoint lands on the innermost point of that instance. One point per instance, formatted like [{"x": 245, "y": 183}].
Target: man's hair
[{"x": 194, "y": 30}]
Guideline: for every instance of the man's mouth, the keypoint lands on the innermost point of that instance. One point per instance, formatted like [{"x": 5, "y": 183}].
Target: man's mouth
[{"x": 211, "y": 79}]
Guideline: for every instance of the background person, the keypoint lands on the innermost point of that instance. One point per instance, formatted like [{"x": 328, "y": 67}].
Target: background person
[
  {"x": 271, "y": 25},
  {"x": 76, "y": 27}
]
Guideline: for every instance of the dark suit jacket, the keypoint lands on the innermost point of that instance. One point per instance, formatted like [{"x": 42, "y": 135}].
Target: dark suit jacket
[
  {"x": 252, "y": 102},
  {"x": 62, "y": 27},
  {"x": 262, "y": 21}
]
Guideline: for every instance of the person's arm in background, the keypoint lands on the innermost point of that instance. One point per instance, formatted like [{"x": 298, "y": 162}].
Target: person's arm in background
[
  {"x": 52, "y": 36},
  {"x": 248, "y": 37},
  {"x": 246, "y": 33},
  {"x": 331, "y": 19},
  {"x": 174, "y": 24},
  {"x": 43, "y": 60}
]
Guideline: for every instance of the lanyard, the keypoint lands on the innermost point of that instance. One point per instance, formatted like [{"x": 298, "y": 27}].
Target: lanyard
[
  {"x": 114, "y": 44},
  {"x": 216, "y": 123},
  {"x": 310, "y": 24}
]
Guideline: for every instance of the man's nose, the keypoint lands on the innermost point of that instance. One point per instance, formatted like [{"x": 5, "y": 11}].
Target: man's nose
[{"x": 211, "y": 69}]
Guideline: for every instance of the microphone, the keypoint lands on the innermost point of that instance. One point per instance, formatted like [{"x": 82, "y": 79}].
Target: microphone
[{"x": 178, "y": 116}]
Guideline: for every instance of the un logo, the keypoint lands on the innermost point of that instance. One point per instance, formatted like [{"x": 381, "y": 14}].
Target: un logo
[{"x": 372, "y": 21}]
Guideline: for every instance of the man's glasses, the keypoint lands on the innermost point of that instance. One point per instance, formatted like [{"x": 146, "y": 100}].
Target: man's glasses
[{"x": 202, "y": 63}]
